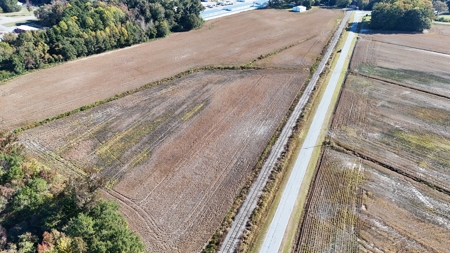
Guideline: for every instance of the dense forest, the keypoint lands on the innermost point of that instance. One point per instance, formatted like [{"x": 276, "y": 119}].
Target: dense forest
[
  {"x": 403, "y": 15},
  {"x": 41, "y": 211},
  {"x": 82, "y": 27}
]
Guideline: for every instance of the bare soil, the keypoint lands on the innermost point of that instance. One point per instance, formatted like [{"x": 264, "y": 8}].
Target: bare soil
[
  {"x": 233, "y": 40},
  {"x": 358, "y": 206},
  {"x": 176, "y": 154},
  {"x": 435, "y": 39},
  {"x": 422, "y": 69},
  {"x": 403, "y": 128},
  {"x": 384, "y": 183},
  {"x": 305, "y": 53}
]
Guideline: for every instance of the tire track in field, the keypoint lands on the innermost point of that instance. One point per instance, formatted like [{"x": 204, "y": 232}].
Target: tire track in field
[
  {"x": 153, "y": 231},
  {"x": 214, "y": 187},
  {"x": 136, "y": 203},
  {"x": 175, "y": 124},
  {"x": 232, "y": 239},
  {"x": 163, "y": 136},
  {"x": 195, "y": 150}
]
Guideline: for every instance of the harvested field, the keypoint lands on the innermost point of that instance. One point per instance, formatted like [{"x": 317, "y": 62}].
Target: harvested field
[
  {"x": 435, "y": 39},
  {"x": 176, "y": 154},
  {"x": 403, "y": 128},
  {"x": 384, "y": 183},
  {"x": 232, "y": 40},
  {"x": 302, "y": 55},
  {"x": 358, "y": 206},
  {"x": 417, "y": 68}
]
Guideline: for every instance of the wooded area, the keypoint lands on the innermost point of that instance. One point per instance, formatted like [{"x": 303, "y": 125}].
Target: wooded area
[
  {"x": 42, "y": 211},
  {"x": 403, "y": 15},
  {"x": 82, "y": 27}
]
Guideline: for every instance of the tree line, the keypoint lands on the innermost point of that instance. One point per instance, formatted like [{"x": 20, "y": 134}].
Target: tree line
[
  {"x": 41, "y": 211},
  {"x": 404, "y": 15},
  {"x": 79, "y": 28}
]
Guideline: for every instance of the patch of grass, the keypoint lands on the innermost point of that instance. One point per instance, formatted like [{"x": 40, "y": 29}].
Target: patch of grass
[
  {"x": 211, "y": 26},
  {"x": 365, "y": 22},
  {"x": 443, "y": 18},
  {"x": 22, "y": 13},
  {"x": 139, "y": 159},
  {"x": 192, "y": 112},
  {"x": 429, "y": 147},
  {"x": 116, "y": 146},
  {"x": 437, "y": 116}
]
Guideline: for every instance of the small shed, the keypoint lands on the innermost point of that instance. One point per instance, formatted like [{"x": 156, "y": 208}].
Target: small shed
[
  {"x": 299, "y": 8},
  {"x": 24, "y": 28}
]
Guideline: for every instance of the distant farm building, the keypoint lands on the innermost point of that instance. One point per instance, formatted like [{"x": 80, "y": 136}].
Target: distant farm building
[
  {"x": 24, "y": 28},
  {"x": 299, "y": 8}
]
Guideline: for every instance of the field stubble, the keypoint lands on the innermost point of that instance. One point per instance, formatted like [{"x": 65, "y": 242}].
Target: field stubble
[
  {"x": 358, "y": 206},
  {"x": 391, "y": 127},
  {"x": 235, "y": 40},
  {"x": 177, "y": 154}
]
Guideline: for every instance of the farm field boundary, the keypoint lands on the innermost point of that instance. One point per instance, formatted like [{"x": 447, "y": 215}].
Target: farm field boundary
[
  {"x": 383, "y": 177},
  {"x": 165, "y": 137},
  {"x": 43, "y": 94},
  {"x": 161, "y": 137},
  {"x": 233, "y": 237},
  {"x": 416, "y": 48},
  {"x": 247, "y": 66},
  {"x": 385, "y": 80},
  {"x": 339, "y": 146}
]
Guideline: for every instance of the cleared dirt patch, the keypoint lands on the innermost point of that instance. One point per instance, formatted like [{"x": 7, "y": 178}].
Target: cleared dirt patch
[
  {"x": 233, "y": 40},
  {"x": 176, "y": 154}
]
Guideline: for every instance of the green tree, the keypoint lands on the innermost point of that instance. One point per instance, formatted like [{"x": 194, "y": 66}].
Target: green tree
[
  {"x": 50, "y": 14},
  {"x": 81, "y": 226},
  {"x": 162, "y": 29},
  {"x": 9, "y": 5},
  {"x": 111, "y": 231},
  {"x": 407, "y": 15},
  {"x": 343, "y": 3}
]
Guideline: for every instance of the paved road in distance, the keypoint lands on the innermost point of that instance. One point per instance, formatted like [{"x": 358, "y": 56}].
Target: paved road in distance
[{"x": 277, "y": 229}]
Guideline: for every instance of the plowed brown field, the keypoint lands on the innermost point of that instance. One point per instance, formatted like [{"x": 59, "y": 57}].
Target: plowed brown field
[
  {"x": 232, "y": 40},
  {"x": 417, "y": 68},
  {"x": 358, "y": 206},
  {"x": 384, "y": 184},
  {"x": 435, "y": 39},
  {"x": 177, "y": 153}
]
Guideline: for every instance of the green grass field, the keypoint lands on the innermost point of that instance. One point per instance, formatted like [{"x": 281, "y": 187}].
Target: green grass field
[{"x": 22, "y": 13}]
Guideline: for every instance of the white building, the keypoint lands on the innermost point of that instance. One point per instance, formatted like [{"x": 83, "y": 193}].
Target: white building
[
  {"x": 24, "y": 28},
  {"x": 299, "y": 8}
]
